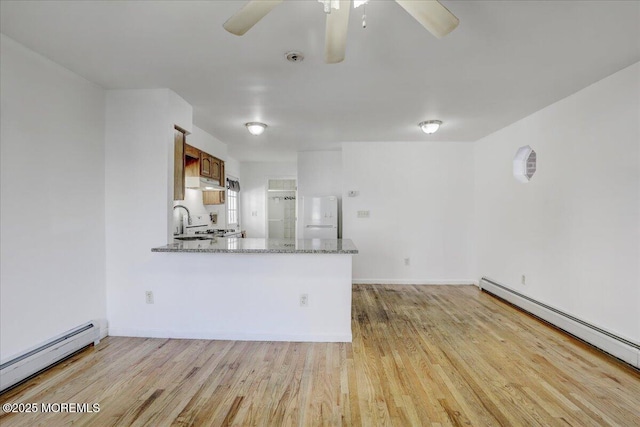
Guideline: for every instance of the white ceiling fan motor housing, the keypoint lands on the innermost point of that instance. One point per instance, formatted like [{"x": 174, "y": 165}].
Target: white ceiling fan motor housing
[{"x": 524, "y": 164}]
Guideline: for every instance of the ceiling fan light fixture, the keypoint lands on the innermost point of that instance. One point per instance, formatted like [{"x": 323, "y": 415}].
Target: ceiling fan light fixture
[
  {"x": 431, "y": 14},
  {"x": 255, "y": 128},
  {"x": 430, "y": 126},
  {"x": 330, "y": 4}
]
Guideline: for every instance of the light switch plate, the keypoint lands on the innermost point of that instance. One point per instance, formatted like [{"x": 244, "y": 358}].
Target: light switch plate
[{"x": 363, "y": 214}]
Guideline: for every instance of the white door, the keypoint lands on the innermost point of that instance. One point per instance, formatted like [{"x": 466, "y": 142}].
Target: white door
[{"x": 281, "y": 208}]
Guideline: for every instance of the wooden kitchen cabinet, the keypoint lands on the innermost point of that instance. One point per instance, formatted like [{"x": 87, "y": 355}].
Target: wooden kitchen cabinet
[
  {"x": 211, "y": 167},
  {"x": 190, "y": 151},
  {"x": 205, "y": 164},
  {"x": 178, "y": 165},
  {"x": 215, "y": 168},
  {"x": 213, "y": 197}
]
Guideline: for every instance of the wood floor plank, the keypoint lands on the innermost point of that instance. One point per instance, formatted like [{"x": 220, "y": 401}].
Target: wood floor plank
[{"x": 421, "y": 355}]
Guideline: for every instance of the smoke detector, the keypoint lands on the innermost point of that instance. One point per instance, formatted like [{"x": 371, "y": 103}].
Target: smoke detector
[{"x": 294, "y": 56}]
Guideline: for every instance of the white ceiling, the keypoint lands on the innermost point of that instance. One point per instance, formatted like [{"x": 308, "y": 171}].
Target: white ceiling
[{"x": 506, "y": 60}]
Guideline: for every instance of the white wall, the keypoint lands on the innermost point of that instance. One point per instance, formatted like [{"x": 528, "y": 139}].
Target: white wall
[
  {"x": 420, "y": 199},
  {"x": 205, "y": 142},
  {"x": 181, "y": 112},
  {"x": 52, "y": 200},
  {"x": 253, "y": 192},
  {"x": 139, "y": 193},
  {"x": 573, "y": 230},
  {"x": 232, "y": 167},
  {"x": 319, "y": 174}
]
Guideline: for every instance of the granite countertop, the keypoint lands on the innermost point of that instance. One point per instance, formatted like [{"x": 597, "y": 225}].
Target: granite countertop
[
  {"x": 235, "y": 245},
  {"x": 211, "y": 235}
]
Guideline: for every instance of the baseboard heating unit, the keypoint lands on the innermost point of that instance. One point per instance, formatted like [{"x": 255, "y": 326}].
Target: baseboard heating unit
[
  {"x": 43, "y": 356},
  {"x": 615, "y": 345}
]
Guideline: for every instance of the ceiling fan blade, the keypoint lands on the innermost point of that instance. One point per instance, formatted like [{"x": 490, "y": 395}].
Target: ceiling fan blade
[
  {"x": 335, "y": 42},
  {"x": 432, "y": 15},
  {"x": 249, "y": 16}
]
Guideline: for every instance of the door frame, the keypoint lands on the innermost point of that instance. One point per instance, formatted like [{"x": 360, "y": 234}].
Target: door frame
[{"x": 266, "y": 204}]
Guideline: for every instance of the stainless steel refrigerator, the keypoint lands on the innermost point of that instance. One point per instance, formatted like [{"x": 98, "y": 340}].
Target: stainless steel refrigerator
[{"x": 320, "y": 217}]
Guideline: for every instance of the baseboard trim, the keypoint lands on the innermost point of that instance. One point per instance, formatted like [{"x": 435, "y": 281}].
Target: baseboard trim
[
  {"x": 413, "y": 282},
  {"x": 227, "y": 336},
  {"x": 617, "y": 346}
]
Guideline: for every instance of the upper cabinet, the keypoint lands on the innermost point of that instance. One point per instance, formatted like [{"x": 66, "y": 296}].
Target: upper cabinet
[
  {"x": 192, "y": 152},
  {"x": 211, "y": 167},
  {"x": 215, "y": 169},
  {"x": 213, "y": 197},
  {"x": 207, "y": 165},
  {"x": 178, "y": 167}
]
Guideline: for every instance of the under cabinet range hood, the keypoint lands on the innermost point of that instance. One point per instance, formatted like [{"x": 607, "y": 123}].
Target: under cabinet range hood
[{"x": 202, "y": 183}]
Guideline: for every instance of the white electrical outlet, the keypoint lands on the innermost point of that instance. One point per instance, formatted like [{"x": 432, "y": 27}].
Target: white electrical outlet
[
  {"x": 149, "y": 297},
  {"x": 407, "y": 261},
  {"x": 523, "y": 279},
  {"x": 304, "y": 300},
  {"x": 363, "y": 214}
]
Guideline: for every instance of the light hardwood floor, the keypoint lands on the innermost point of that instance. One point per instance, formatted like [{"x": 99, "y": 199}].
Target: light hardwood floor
[{"x": 421, "y": 355}]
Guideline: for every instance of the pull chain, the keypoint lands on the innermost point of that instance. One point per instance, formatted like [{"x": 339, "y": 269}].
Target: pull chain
[{"x": 364, "y": 16}]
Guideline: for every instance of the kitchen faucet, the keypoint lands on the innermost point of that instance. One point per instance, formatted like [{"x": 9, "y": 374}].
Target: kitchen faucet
[{"x": 188, "y": 215}]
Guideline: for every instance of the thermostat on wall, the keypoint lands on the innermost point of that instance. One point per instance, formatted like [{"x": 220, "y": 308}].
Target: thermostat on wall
[{"x": 524, "y": 164}]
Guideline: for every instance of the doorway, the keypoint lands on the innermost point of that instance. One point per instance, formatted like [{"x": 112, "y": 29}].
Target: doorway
[{"x": 281, "y": 208}]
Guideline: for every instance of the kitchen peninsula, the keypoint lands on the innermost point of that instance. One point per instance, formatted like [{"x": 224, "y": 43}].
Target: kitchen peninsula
[
  {"x": 253, "y": 289},
  {"x": 262, "y": 246}
]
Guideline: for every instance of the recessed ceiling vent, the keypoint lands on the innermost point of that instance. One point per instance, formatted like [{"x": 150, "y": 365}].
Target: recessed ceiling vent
[{"x": 294, "y": 56}]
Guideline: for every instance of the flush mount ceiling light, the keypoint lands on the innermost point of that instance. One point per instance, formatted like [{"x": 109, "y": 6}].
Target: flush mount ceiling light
[
  {"x": 255, "y": 128},
  {"x": 430, "y": 126},
  {"x": 431, "y": 14}
]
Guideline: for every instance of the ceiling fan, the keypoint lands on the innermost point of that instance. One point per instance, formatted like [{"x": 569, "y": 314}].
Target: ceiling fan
[{"x": 430, "y": 13}]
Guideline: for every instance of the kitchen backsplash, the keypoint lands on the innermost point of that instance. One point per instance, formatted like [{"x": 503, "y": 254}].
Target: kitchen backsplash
[{"x": 193, "y": 202}]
